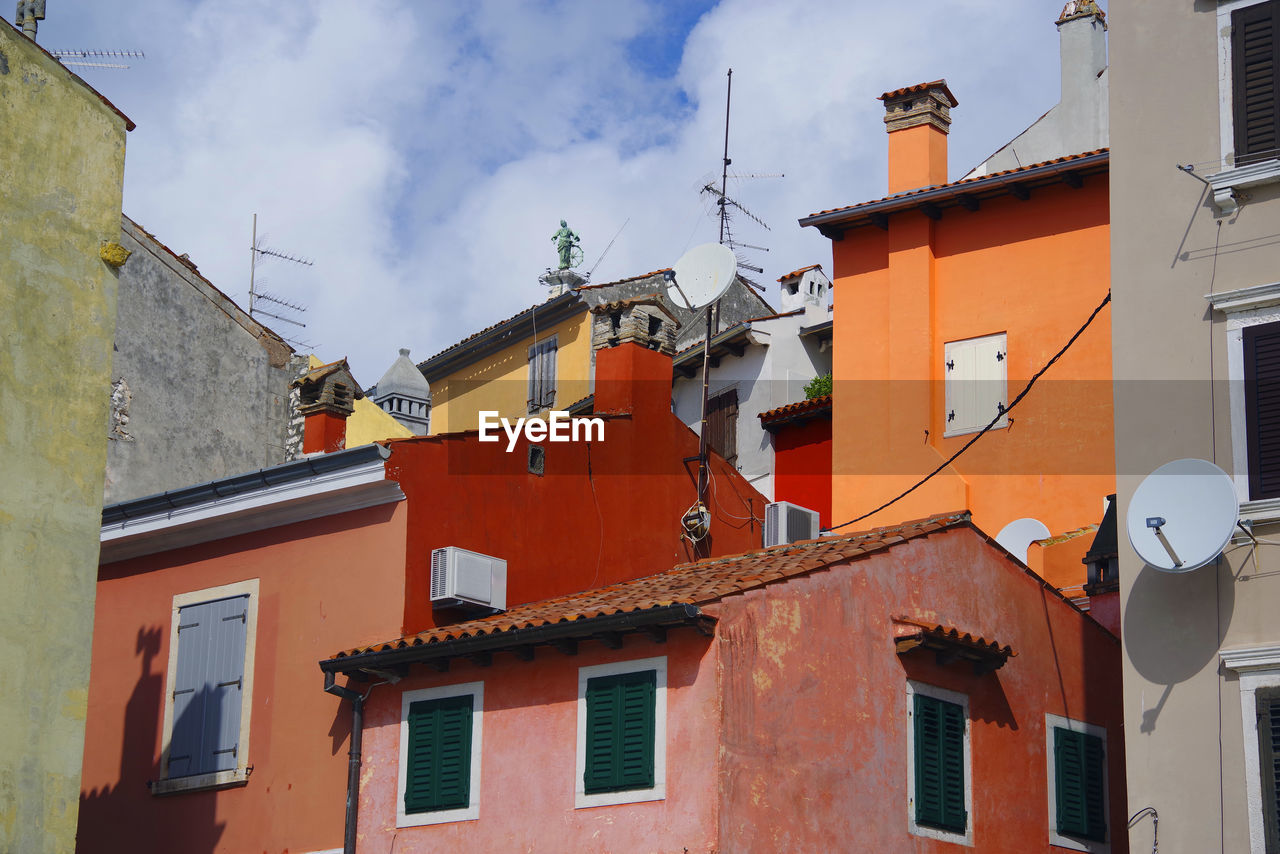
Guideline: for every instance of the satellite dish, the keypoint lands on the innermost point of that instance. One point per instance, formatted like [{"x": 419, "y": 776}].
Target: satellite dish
[
  {"x": 701, "y": 275},
  {"x": 1182, "y": 515},
  {"x": 1018, "y": 535}
]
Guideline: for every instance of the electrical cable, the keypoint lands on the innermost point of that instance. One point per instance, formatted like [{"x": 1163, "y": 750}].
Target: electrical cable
[
  {"x": 1155, "y": 826},
  {"x": 1004, "y": 412}
]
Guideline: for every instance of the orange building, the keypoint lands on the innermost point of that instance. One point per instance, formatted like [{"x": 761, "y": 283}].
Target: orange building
[{"x": 953, "y": 297}]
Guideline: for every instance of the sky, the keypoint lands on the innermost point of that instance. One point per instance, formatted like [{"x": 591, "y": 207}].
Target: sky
[{"x": 422, "y": 153}]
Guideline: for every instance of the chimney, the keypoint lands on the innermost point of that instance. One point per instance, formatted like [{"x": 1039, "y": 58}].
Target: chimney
[
  {"x": 918, "y": 119},
  {"x": 634, "y": 340},
  {"x": 1082, "y": 44},
  {"x": 326, "y": 398}
]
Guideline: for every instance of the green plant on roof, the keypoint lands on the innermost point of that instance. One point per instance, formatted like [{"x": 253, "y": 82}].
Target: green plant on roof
[{"x": 818, "y": 387}]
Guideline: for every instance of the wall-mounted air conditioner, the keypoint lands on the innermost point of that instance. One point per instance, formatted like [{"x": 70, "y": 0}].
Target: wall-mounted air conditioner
[
  {"x": 786, "y": 523},
  {"x": 463, "y": 578}
]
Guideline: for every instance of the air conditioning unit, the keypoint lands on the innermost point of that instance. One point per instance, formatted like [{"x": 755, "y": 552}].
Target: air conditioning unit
[
  {"x": 786, "y": 523},
  {"x": 464, "y": 578}
]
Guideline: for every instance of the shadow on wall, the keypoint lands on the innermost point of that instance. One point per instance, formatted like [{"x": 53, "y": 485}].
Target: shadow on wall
[
  {"x": 1167, "y": 638},
  {"x": 126, "y": 817}
]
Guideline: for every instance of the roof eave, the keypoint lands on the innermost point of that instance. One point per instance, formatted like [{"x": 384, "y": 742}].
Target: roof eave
[{"x": 466, "y": 352}]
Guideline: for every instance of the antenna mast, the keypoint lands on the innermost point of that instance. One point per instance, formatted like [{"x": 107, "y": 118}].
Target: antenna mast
[{"x": 258, "y": 252}]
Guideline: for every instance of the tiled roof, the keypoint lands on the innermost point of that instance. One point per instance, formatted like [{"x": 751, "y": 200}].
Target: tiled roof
[
  {"x": 799, "y": 272},
  {"x": 694, "y": 584},
  {"x": 963, "y": 183},
  {"x": 792, "y": 411},
  {"x": 777, "y": 315},
  {"x": 986, "y": 655},
  {"x": 488, "y": 329},
  {"x": 624, "y": 281},
  {"x": 642, "y": 299},
  {"x": 919, "y": 87}
]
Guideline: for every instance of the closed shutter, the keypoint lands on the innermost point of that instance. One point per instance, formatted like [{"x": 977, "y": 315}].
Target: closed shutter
[
  {"x": 1079, "y": 770},
  {"x": 542, "y": 375},
  {"x": 939, "y": 763},
  {"x": 1262, "y": 408},
  {"x": 620, "y": 732},
  {"x": 722, "y": 424},
  {"x": 1269, "y": 767},
  {"x": 438, "y": 776},
  {"x": 208, "y": 687},
  {"x": 1255, "y": 64},
  {"x": 976, "y": 386}
]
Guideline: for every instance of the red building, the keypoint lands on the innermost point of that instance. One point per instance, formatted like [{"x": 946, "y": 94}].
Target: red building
[{"x": 907, "y": 688}]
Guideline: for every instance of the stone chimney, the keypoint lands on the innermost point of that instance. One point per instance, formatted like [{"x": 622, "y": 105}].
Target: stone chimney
[
  {"x": 633, "y": 341},
  {"x": 326, "y": 398},
  {"x": 918, "y": 119}
]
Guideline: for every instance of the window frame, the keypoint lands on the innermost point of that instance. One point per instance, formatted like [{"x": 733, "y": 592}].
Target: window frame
[
  {"x": 547, "y": 348},
  {"x": 1075, "y": 843},
  {"x": 1001, "y": 341},
  {"x": 1258, "y": 669},
  {"x": 239, "y": 775},
  {"x": 471, "y": 811},
  {"x": 658, "y": 792},
  {"x": 912, "y": 688},
  {"x": 1233, "y": 177}
]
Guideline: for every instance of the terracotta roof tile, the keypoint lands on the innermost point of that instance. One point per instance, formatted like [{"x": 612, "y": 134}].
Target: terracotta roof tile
[
  {"x": 791, "y": 410},
  {"x": 624, "y": 281},
  {"x": 696, "y": 583},
  {"x": 799, "y": 272},
  {"x": 919, "y": 87}
]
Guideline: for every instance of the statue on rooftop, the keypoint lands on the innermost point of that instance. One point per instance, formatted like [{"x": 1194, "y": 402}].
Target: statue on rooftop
[{"x": 566, "y": 241}]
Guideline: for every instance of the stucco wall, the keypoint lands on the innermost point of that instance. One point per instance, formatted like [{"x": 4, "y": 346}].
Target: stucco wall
[
  {"x": 1182, "y": 707},
  {"x": 323, "y": 586},
  {"x": 826, "y": 769},
  {"x": 204, "y": 387},
  {"x": 61, "y": 166}
]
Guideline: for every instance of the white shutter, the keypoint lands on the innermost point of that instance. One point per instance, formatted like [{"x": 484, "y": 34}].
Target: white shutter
[{"x": 976, "y": 385}]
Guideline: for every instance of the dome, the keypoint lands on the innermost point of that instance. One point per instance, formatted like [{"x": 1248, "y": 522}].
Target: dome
[{"x": 403, "y": 379}]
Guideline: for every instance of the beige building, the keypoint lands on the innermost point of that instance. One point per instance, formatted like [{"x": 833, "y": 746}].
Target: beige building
[
  {"x": 1196, "y": 331},
  {"x": 61, "y": 170}
]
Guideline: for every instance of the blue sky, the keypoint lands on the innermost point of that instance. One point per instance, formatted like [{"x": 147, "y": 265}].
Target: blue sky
[{"x": 422, "y": 153}]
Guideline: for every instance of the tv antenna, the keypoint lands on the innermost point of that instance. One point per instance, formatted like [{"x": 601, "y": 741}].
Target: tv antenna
[
  {"x": 1182, "y": 515},
  {"x": 258, "y": 253},
  {"x": 87, "y": 58}
]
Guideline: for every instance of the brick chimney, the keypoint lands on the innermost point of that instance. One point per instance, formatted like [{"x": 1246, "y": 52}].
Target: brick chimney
[
  {"x": 633, "y": 340},
  {"x": 918, "y": 119},
  {"x": 326, "y": 398}
]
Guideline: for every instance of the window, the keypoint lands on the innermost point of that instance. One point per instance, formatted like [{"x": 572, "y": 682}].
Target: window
[
  {"x": 621, "y": 733},
  {"x": 439, "y": 778},
  {"x": 1077, "y": 764},
  {"x": 938, "y": 764},
  {"x": 1259, "y": 672},
  {"x": 1262, "y": 407},
  {"x": 1269, "y": 763},
  {"x": 1255, "y": 63},
  {"x": 542, "y": 375},
  {"x": 210, "y": 687},
  {"x": 722, "y": 424},
  {"x": 976, "y": 388}
]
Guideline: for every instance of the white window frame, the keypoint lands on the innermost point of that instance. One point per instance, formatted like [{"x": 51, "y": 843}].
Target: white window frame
[
  {"x": 1259, "y": 670},
  {"x": 1233, "y": 177},
  {"x": 581, "y": 799},
  {"x": 239, "y": 775},
  {"x": 471, "y": 811},
  {"x": 962, "y": 700},
  {"x": 1002, "y": 341},
  {"x": 1052, "y": 722},
  {"x": 1251, "y": 306}
]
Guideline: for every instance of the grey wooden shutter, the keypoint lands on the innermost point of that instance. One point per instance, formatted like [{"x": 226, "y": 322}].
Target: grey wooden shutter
[
  {"x": 1262, "y": 408},
  {"x": 722, "y": 424},
  {"x": 1255, "y": 65},
  {"x": 208, "y": 687}
]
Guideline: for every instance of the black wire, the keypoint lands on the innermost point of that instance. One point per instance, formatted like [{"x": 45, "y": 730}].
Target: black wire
[{"x": 990, "y": 424}]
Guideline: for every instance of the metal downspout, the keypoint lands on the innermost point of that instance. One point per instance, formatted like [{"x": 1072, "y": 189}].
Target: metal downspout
[{"x": 353, "y": 763}]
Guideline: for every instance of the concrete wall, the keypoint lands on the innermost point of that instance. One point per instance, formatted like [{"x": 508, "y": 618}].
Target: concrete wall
[
  {"x": 61, "y": 167},
  {"x": 1183, "y": 715},
  {"x": 826, "y": 770},
  {"x": 323, "y": 585},
  {"x": 200, "y": 389}
]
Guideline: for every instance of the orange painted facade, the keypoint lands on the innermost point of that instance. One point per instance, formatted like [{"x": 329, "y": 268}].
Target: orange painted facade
[{"x": 978, "y": 258}]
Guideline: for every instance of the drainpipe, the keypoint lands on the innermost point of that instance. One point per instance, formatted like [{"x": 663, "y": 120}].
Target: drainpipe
[{"x": 353, "y": 764}]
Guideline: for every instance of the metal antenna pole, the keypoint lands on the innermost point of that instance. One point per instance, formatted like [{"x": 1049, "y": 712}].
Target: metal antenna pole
[{"x": 253, "y": 261}]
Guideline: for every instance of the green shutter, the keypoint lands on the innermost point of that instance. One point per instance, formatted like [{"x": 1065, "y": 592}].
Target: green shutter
[
  {"x": 939, "y": 763},
  {"x": 438, "y": 776},
  {"x": 620, "y": 732},
  {"x": 1079, "y": 782}
]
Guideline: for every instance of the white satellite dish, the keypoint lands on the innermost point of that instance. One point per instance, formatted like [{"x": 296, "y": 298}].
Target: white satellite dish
[
  {"x": 1182, "y": 515},
  {"x": 701, "y": 275},
  {"x": 1016, "y": 537}
]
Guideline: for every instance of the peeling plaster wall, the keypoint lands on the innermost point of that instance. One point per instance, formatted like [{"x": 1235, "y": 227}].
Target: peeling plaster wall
[
  {"x": 209, "y": 386},
  {"x": 61, "y": 169}
]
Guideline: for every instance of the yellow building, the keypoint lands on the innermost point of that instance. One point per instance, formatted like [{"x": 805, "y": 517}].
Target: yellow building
[{"x": 62, "y": 169}]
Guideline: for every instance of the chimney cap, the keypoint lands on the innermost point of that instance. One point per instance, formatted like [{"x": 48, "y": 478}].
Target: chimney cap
[
  {"x": 921, "y": 104},
  {"x": 1076, "y": 9},
  {"x": 920, "y": 88}
]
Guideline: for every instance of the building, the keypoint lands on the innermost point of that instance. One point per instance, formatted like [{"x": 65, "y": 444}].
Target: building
[
  {"x": 207, "y": 729},
  {"x": 62, "y": 161},
  {"x": 757, "y": 365},
  {"x": 1194, "y": 261},
  {"x": 906, "y": 688},
  {"x": 968, "y": 291},
  {"x": 541, "y": 359},
  {"x": 801, "y": 438}
]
